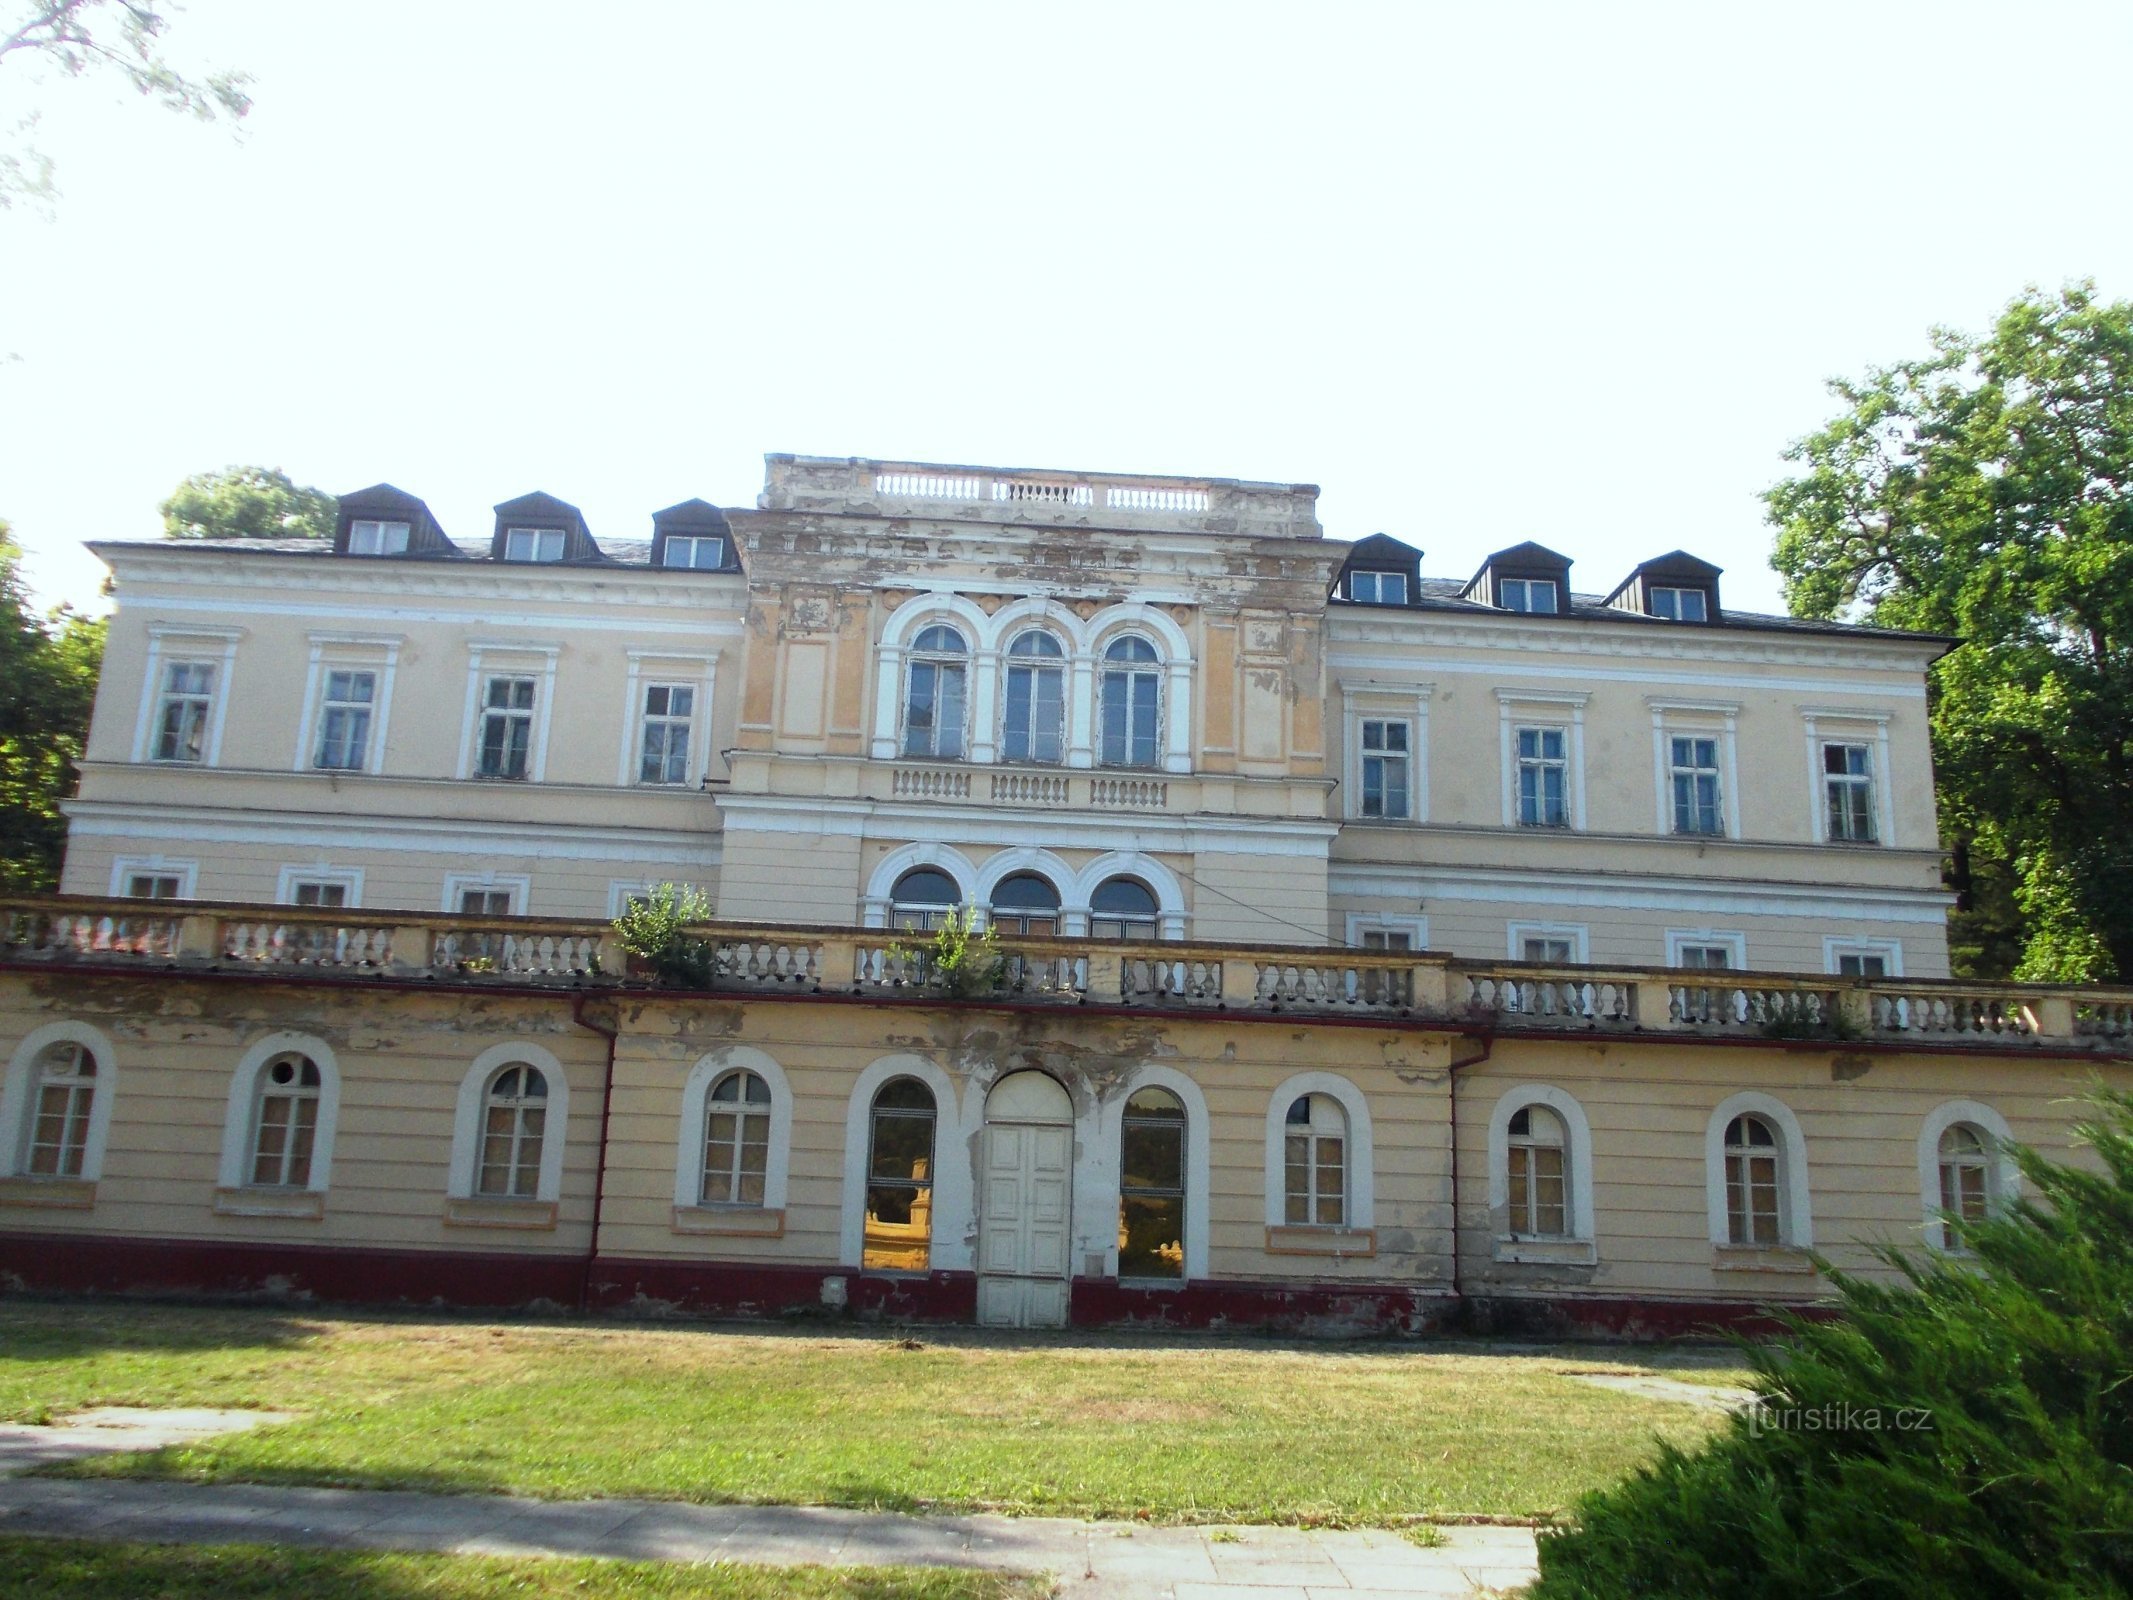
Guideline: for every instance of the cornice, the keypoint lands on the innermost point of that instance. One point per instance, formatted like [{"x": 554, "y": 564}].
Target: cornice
[{"x": 1519, "y": 635}]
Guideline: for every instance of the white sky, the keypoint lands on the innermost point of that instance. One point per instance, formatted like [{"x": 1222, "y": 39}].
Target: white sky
[{"x": 1486, "y": 273}]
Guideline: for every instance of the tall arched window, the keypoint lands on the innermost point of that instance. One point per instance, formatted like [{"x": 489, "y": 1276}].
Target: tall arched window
[
  {"x": 62, "y": 1100},
  {"x": 736, "y": 1140},
  {"x": 936, "y": 690},
  {"x": 899, "y": 1218},
  {"x": 922, "y": 898},
  {"x": 1131, "y": 703},
  {"x": 1033, "y": 714},
  {"x": 1122, "y": 908},
  {"x": 1966, "y": 1177},
  {"x": 284, "y": 1123},
  {"x": 1539, "y": 1174},
  {"x": 1151, "y": 1186},
  {"x": 1754, "y": 1197},
  {"x": 514, "y": 1122},
  {"x": 1025, "y": 903},
  {"x": 1315, "y": 1177}
]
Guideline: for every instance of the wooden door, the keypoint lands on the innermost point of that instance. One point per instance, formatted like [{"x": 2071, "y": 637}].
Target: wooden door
[{"x": 1024, "y": 1211}]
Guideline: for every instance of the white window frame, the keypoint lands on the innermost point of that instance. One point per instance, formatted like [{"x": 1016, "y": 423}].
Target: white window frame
[
  {"x": 1579, "y": 1244},
  {"x": 1160, "y": 670},
  {"x": 18, "y": 1100},
  {"x": 692, "y": 540},
  {"x": 350, "y": 880},
  {"x": 1517, "y": 933},
  {"x": 621, "y": 891},
  {"x": 956, "y": 1123},
  {"x": 695, "y": 1113},
  {"x": 1361, "y": 922},
  {"x": 1523, "y": 708},
  {"x": 1526, "y": 588},
  {"x": 1103, "y": 1181},
  {"x": 1835, "y": 946},
  {"x": 939, "y": 660},
  {"x": 238, "y": 1130},
  {"x": 1825, "y": 725},
  {"x": 1696, "y": 719},
  {"x": 2004, "y": 1176},
  {"x": 488, "y": 659},
  {"x": 519, "y": 884},
  {"x": 690, "y": 728},
  {"x": 1006, "y": 664},
  {"x": 464, "y": 1171},
  {"x": 1651, "y": 598},
  {"x": 347, "y": 652},
  {"x": 1385, "y": 755},
  {"x": 1735, "y": 944},
  {"x": 384, "y": 533},
  {"x": 1795, "y": 1203},
  {"x": 696, "y": 671},
  {"x": 1362, "y": 1187},
  {"x": 1370, "y": 700},
  {"x": 1379, "y": 577},
  {"x": 169, "y": 644},
  {"x": 186, "y": 872},
  {"x": 538, "y": 539}
]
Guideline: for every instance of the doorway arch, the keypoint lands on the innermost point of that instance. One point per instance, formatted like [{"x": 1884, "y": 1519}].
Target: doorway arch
[{"x": 1025, "y": 1202}]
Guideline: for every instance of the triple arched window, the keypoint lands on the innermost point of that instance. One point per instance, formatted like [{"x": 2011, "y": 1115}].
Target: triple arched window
[{"x": 1028, "y": 903}]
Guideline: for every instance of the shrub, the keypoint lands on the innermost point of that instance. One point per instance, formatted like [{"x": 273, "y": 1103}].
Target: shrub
[
  {"x": 655, "y": 930},
  {"x": 963, "y": 960},
  {"x": 1966, "y": 1431}
]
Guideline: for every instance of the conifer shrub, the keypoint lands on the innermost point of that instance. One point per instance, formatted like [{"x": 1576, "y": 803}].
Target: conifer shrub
[{"x": 1964, "y": 1432}]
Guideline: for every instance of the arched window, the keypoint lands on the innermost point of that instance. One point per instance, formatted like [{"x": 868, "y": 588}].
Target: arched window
[
  {"x": 1754, "y": 1197},
  {"x": 1539, "y": 1174},
  {"x": 736, "y": 1141},
  {"x": 1151, "y": 1186},
  {"x": 1033, "y": 717},
  {"x": 1131, "y": 703},
  {"x": 284, "y": 1123},
  {"x": 1966, "y": 1176},
  {"x": 1122, "y": 908},
  {"x": 1025, "y": 903},
  {"x": 62, "y": 1100},
  {"x": 514, "y": 1122},
  {"x": 899, "y": 1218},
  {"x": 922, "y": 898},
  {"x": 936, "y": 690},
  {"x": 1315, "y": 1177}
]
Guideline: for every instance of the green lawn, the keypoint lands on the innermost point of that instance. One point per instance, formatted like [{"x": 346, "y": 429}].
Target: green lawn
[
  {"x": 1174, "y": 1429},
  {"x": 73, "y": 1569}
]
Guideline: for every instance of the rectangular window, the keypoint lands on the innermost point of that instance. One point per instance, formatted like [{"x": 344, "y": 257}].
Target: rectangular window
[
  {"x": 1548, "y": 948},
  {"x": 481, "y": 902},
  {"x": 1378, "y": 588},
  {"x": 1861, "y": 964},
  {"x": 1535, "y": 1192},
  {"x": 154, "y": 886},
  {"x": 1526, "y": 594},
  {"x": 377, "y": 538},
  {"x": 669, "y": 717},
  {"x": 1130, "y": 705},
  {"x": 1385, "y": 768},
  {"x": 1387, "y": 939},
  {"x": 318, "y": 892},
  {"x": 1034, "y": 726},
  {"x": 1693, "y": 768},
  {"x": 933, "y": 710},
  {"x": 1848, "y": 791},
  {"x": 705, "y": 553},
  {"x": 182, "y": 712},
  {"x": 1543, "y": 778},
  {"x": 506, "y": 728},
  {"x": 1704, "y": 957},
  {"x": 344, "y": 720},
  {"x": 1679, "y": 605},
  {"x": 533, "y": 544}
]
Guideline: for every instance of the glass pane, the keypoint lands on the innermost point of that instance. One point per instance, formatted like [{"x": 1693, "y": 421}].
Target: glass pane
[
  {"x": 1152, "y": 1156},
  {"x": 898, "y": 1228},
  {"x": 903, "y": 1147},
  {"x": 1151, "y": 1236}
]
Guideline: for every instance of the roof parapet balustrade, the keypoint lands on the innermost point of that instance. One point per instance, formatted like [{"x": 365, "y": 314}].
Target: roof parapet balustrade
[
  {"x": 856, "y": 486},
  {"x": 1424, "y": 989}
]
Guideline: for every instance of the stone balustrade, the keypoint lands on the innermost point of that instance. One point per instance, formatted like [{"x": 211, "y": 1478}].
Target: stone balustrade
[{"x": 1396, "y": 985}]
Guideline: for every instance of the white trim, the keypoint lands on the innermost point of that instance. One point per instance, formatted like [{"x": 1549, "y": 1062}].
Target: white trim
[
  {"x": 1517, "y": 933},
  {"x": 818, "y": 816},
  {"x": 223, "y": 660},
  {"x": 695, "y": 1104},
  {"x": 629, "y": 760},
  {"x": 16, "y": 1103},
  {"x": 1890, "y": 951},
  {"x": 237, "y": 1118},
  {"x": 1359, "y": 922},
  {"x": 1681, "y": 896},
  {"x": 1880, "y": 792},
  {"x": 2006, "y": 1175},
  {"x": 1169, "y": 891},
  {"x": 924, "y": 853},
  {"x": 348, "y": 652},
  {"x": 479, "y": 672},
  {"x": 520, "y": 885},
  {"x": 1736, "y": 946},
  {"x": 1004, "y": 864},
  {"x": 1361, "y": 1206},
  {"x": 500, "y": 593},
  {"x": 349, "y": 878},
  {"x": 186, "y": 872},
  {"x": 1563, "y": 710},
  {"x": 1577, "y": 1134},
  {"x": 467, "y": 1119},
  {"x": 953, "y": 1216},
  {"x": 1690, "y": 719},
  {"x": 620, "y": 891},
  {"x": 1795, "y": 1207},
  {"x": 1407, "y": 703},
  {"x": 1103, "y": 1168}
]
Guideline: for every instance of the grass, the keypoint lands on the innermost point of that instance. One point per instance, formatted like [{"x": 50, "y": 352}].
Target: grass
[
  {"x": 73, "y": 1569},
  {"x": 1177, "y": 1430}
]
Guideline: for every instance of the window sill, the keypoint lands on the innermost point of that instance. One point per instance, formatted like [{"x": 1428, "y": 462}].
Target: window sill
[
  {"x": 1548, "y": 1252},
  {"x": 49, "y": 1194},
  {"x": 496, "y": 1213},
  {"x": 1296, "y": 1239},
  {"x": 1779, "y": 1258},
  {"x": 307, "y": 1205},
  {"x": 744, "y": 1221}
]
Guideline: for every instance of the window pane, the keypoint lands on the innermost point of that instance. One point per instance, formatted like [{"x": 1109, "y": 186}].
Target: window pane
[
  {"x": 1152, "y": 1156},
  {"x": 903, "y": 1146},
  {"x": 1151, "y": 1236},
  {"x": 898, "y": 1228}
]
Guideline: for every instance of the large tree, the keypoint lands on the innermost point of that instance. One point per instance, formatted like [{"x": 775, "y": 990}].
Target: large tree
[
  {"x": 1986, "y": 491},
  {"x": 47, "y": 684},
  {"x": 247, "y": 503}
]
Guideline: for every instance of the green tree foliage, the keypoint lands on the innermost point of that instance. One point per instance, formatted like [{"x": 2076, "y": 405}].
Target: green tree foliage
[
  {"x": 655, "y": 929},
  {"x": 1987, "y": 491},
  {"x": 111, "y": 38},
  {"x": 247, "y": 503},
  {"x": 1967, "y": 1431},
  {"x": 47, "y": 683}
]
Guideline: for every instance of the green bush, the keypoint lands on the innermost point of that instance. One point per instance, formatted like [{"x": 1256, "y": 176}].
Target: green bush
[
  {"x": 1965, "y": 1432},
  {"x": 656, "y": 929}
]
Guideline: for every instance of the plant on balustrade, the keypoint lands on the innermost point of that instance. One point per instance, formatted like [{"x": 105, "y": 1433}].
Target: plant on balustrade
[
  {"x": 654, "y": 929},
  {"x": 963, "y": 961}
]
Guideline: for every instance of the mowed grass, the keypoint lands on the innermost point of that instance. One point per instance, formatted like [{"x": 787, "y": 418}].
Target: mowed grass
[
  {"x": 1169, "y": 1429},
  {"x": 73, "y": 1569}
]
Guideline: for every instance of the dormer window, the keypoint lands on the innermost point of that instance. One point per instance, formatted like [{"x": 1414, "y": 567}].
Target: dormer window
[
  {"x": 1527, "y": 594},
  {"x": 377, "y": 538},
  {"x": 1679, "y": 605},
  {"x": 533, "y": 544},
  {"x": 1378, "y": 588},
  {"x": 704, "y": 553}
]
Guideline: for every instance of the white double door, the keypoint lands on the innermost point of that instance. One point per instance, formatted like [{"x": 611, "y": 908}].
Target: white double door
[{"x": 1025, "y": 1208}]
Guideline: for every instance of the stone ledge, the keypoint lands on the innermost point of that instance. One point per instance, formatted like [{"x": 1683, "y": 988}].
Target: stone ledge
[
  {"x": 308, "y": 1205},
  {"x": 749, "y": 1221},
  {"x": 49, "y": 1194},
  {"x": 488, "y": 1212},
  {"x": 1300, "y": 1240}
]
